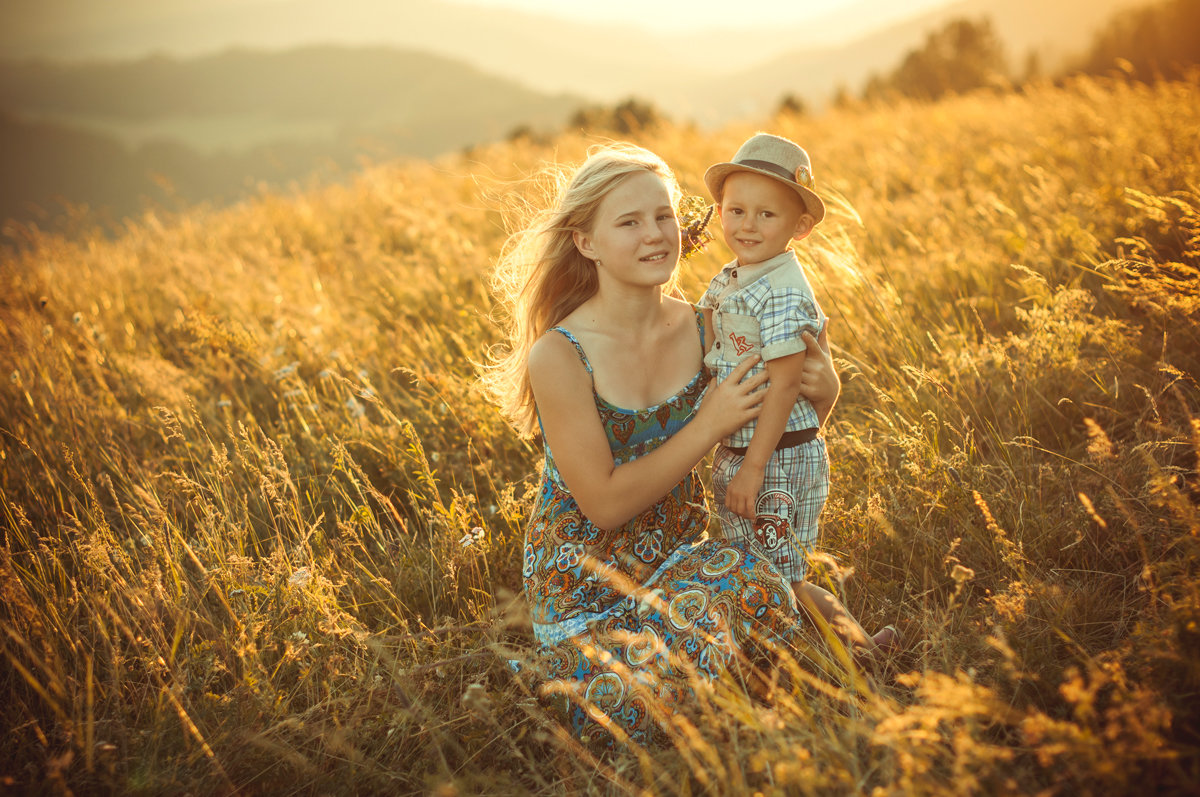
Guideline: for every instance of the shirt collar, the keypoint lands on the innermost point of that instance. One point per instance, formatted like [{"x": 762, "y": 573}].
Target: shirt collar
[{"x": 759, "y": 269}]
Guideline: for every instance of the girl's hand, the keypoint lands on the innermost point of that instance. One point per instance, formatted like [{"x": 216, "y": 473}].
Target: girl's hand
[
  {"x": 819, "y": 382},
  {"x": 733, "y": 402}
]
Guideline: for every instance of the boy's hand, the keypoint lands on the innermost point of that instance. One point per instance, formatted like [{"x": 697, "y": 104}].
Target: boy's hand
[{"x": 741, "y": 497}]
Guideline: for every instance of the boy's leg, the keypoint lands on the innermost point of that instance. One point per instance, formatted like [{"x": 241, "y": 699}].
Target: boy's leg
[{"x": 810, "y": 465}]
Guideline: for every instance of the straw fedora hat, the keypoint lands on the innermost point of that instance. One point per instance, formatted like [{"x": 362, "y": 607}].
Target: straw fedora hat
[{"x": 776, "y": 157}]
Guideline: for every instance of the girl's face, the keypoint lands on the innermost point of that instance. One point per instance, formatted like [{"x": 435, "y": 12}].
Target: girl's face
[{"x": 635, "y": 236}]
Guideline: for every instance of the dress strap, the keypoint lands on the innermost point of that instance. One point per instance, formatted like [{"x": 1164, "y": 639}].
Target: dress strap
[
  {"x": 582, "y": 356},
  {"x": 699, "y": 324}
]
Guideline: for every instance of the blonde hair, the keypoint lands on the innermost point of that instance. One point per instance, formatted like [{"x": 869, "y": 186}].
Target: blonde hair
[{"x": 541, "y": 277}]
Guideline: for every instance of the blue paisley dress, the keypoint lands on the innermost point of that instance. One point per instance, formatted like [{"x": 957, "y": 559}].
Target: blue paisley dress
[{"x": 630, "y": 620}]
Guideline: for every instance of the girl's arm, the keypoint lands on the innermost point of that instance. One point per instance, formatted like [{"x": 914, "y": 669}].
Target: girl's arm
[
  {"x": 610, "y": 494},
  {"x": 819, "y": 382},
  {"x": 785, "y": 379}
]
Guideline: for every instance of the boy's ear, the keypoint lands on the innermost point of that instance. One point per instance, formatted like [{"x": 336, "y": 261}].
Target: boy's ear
[
  {"x": 804, "y": 225},
  {"x": 584, "y": 244}
]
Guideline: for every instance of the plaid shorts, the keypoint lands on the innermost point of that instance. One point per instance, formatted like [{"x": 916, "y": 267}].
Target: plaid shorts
[{"x": 795, "y": 486}]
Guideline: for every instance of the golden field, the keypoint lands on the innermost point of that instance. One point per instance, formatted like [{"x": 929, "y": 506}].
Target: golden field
[{"x": 262, "y": 530}]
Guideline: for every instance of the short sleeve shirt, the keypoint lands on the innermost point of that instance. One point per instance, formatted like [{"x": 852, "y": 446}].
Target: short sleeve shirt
[{"x": 762, "y": 309}]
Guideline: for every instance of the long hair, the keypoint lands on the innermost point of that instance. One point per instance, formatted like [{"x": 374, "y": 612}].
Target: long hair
[{"x": 541, "y": 277}]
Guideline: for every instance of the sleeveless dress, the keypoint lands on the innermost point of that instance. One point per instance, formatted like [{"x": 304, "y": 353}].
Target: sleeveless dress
[{"x": 632, "y": 620}]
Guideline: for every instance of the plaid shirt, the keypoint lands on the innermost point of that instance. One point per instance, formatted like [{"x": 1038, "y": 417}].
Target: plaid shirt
[{"x": 762, "y": 309}]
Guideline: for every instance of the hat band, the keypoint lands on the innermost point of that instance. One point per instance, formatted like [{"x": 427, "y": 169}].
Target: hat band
[{"x": 773, "y": 168}]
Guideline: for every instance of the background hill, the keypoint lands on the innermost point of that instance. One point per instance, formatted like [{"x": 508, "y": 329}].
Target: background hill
[
  {"x": 604, "y": 62},
  {"x": 208, "y": 125},
  {"x": 1053, "y": 31},
  {"x": 259, "y": 529}
]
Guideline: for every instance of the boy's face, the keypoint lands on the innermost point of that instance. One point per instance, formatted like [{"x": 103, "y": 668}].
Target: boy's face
[{"x": 760, "y": 216}]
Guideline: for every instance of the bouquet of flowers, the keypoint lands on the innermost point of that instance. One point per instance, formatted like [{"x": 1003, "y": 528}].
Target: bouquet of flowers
[{"x": 694, "y": 215}]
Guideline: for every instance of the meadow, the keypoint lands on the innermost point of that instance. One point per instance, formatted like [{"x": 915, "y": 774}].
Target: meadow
[{"x": 262, "y": 529}]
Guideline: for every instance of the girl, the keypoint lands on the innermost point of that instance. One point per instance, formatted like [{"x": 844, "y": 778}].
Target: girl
[{"x": 632, "y": 604}]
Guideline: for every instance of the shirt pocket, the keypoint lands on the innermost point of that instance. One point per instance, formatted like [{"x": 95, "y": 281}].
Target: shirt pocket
[{"x": 739, "y": 336}]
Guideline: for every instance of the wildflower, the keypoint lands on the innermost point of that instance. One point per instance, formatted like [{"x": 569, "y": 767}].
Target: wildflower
[
  {"x": 224, "y": 403},
  {"x": 77, "y": 318},
  {"x": 477, "y": 701},
  {"x": 961, "y": 574},
  {"x": 367, "y": 392},
  {"x": 355, "y": 407},
  {"x": 492, "y": 509},
  {"x": 435, "y": 456},
  {"x": 15, "y": 378},
  {"x": 325, "y": 373},
  {"x": 145, "y": 541},
  {"x": 300, "y": 578},
  {"x": 694, "y": 216},
  {"x": 473, "y": 536},
  {"x": 292, "y": 393},
  {"x": 299, "y": 636},
  {"x": 362, "y": 374},
  {"x": 47, "y": 331}
]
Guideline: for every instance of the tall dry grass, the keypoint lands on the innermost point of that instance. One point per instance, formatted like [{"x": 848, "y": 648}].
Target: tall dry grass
[{"x": 262, "y": 531}]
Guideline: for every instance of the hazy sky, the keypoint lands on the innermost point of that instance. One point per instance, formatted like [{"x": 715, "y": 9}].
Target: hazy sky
[{"x": 691, "y": 14}]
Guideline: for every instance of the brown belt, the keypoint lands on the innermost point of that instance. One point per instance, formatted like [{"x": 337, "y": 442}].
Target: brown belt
[{"x": 786, "y": 440}]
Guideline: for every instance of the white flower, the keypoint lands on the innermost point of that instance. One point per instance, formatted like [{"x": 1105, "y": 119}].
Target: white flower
[
  {"x": 473, "y": 536},
  {"x": 355, "y": 407},
  {"x": 77, "y": 318},
  {"x": 224, "y": 403},
  {"x": 300, "y": 578},
  {"x": 299, "y": 636}
]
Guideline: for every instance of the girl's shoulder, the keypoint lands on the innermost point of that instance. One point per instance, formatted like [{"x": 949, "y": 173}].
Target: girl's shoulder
[{"x": 681, "y": 308}]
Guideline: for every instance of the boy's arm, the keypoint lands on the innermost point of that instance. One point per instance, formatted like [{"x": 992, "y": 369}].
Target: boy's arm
[{"x": 785, "y": 375}]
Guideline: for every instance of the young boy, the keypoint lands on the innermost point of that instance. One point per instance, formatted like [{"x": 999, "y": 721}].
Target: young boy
[{"x": 771, "y": 477}]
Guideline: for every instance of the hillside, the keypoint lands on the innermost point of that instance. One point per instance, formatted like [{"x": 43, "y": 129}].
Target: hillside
[
  {"x": 209, "y": 127},
  {"x": 262, "y": 532},
  {"x": 691, "y": 74},
  {"x": 1055, "y": 31}
]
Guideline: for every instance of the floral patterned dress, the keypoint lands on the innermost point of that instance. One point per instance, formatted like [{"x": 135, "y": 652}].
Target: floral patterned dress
[{"x": 631, "y": 620}]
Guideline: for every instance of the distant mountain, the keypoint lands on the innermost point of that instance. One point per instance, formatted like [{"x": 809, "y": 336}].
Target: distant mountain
[
  {"x": 361, "y": 86},
  {"x": 1054, "y": 29},
  {"x": 112, "y": 133},
  {"x": 713, "y": 76},
  {"x": 551, "y": 54}
]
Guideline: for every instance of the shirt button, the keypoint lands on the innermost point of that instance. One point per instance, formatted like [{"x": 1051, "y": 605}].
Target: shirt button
[
  {"x": 735, "y": 272},
  {"x": 717, "y": 345}
]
